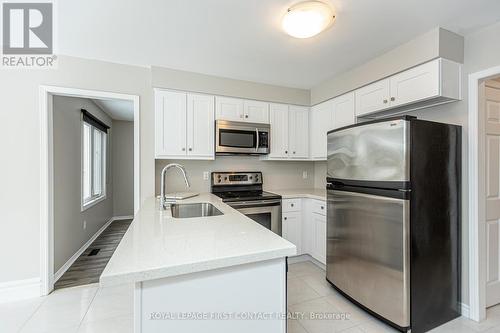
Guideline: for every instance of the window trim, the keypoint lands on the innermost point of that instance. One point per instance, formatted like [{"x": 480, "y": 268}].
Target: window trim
[{"x": 94, "y": 199}]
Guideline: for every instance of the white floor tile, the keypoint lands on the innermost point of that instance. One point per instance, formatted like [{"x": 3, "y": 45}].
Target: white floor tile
[
  {"x": 123, "y": 324},
  {"x": 298, "y": 291},
  {"x": 14, "y": 315},
  {"x": 305, "y": 268},
  {"x": 331, "y": 320},
  {"x": 50, "y": 317},
  {"x": 110, "y": 305}
]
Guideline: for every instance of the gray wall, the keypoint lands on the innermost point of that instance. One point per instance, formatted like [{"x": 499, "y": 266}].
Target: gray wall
[
  {"x": 276, "y": 174},
  {"x": 69, "y": 235},
  {"x": 433, "y": 44},
  {"x": 123, "y": 168},
  {"x": 182, "y": 80}
]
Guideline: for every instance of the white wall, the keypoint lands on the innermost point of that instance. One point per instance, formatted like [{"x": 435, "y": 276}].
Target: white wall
[
  {"x": 69, "y": 235},
  {"x": 433, "y": 44},
  {"x": 20, "y": 140},
  {"x": 276, "y": 174},
  {"x": 208, "y": 84},
  {"x": 123, "y": 168}
]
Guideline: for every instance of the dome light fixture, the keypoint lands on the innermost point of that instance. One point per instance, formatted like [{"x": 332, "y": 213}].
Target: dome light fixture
[{"x": 307, "y": 19}]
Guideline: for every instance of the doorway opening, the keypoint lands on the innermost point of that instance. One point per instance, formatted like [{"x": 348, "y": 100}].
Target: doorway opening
[
  {"x": 484, "y": 192},
  {"x": 90, "y": 181}
]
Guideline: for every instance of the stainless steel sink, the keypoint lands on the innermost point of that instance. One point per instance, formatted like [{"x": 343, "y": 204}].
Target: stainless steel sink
[{"x": 203, "y": 209}]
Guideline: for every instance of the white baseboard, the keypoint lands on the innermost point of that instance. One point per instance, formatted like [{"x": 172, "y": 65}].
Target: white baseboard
[
  {"x": 465, "y": 310},
  {"x": 78, "y": 253},
  {"x": 19, "y": 290},
  {"x": 306, "y": 257}
]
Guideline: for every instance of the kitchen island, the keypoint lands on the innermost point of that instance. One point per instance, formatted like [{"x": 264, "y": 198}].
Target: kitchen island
[{"x": 222, "y": 273}]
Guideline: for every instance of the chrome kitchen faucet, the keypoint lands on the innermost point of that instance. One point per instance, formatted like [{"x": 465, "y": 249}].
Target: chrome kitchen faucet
[{"x": 163, "y": 199}]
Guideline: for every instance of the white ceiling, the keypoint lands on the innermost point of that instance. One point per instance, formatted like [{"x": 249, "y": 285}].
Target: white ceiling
[
  {"x": 117, "y": 109},
  {"x": 242, "y": 39}
]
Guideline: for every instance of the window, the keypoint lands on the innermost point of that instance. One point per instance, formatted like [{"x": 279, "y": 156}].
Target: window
[{"x": 93, "y": 161}]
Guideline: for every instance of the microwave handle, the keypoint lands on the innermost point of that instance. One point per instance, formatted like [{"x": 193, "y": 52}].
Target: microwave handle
[{"x": 258, "y": 143}]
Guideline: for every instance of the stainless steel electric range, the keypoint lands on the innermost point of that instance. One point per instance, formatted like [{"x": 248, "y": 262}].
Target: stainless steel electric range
[{"x": 243, "y": 191}]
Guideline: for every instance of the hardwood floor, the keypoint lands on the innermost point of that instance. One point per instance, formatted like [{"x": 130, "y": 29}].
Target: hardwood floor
[{"x": 87, "y": 268}]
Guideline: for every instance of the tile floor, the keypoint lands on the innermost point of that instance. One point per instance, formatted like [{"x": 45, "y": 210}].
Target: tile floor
[{"x": 93, "y": 309}]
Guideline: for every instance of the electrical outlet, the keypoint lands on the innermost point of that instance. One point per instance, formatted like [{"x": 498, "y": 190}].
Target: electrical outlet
[
  {"x": 304, "y": 174},
  {"x": 206, "y": 175},
  {"x": 84, "y": 225}
]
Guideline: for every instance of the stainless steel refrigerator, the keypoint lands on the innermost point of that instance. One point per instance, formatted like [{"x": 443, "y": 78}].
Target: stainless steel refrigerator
[{"x": 393, "y": 219}]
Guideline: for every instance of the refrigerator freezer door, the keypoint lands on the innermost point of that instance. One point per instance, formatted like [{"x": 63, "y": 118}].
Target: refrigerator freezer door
[
  {"x": 376, "y": 152},
  {"x": 368, "y": 252}
]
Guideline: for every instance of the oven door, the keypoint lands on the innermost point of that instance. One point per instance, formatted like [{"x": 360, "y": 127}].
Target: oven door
[
  {"x": 265, "y": 212},
  {"x": 241, "y": 138}
]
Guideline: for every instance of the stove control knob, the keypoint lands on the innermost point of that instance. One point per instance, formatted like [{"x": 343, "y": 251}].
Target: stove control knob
[
  {"x": 218, "y": 180},
  {"x": 225, "y": 178}
]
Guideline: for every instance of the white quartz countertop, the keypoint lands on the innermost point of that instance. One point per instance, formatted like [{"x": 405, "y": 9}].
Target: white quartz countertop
[
  {"x": 313, "y": 193},
  {"x": 156, "y": 245}
]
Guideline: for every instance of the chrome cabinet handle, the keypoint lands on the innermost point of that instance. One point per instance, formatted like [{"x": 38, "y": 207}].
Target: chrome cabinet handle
[
  {"x": 285, "y": 217},
  {"x": 190, "y": 149},
  {"x": 183, "y": 149},
  {"x": 286, "y": 151},
  {"x": 294, "y": 152},
  {"x": 385, "y": 101},
  {"x": 291, "y": 205},
  {"x": 393, "y": 99},
  {"x": 246, "y": 116}
]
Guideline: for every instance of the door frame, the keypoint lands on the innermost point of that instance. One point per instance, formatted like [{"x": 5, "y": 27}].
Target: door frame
[
  {"x": 477, "y": 185},
  {"x": 46, "y": 94}
]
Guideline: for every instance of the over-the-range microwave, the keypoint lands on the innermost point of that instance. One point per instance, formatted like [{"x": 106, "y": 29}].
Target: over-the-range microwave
[{"x": 233, "y": 137}]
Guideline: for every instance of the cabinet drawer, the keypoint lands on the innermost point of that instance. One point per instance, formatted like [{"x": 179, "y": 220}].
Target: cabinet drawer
[
  {"x": 319, "y": 207},
  {"x": 291, "y": 205}
]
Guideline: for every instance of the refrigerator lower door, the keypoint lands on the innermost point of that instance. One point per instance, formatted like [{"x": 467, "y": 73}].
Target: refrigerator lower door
[{"x": 368, "y": 252}]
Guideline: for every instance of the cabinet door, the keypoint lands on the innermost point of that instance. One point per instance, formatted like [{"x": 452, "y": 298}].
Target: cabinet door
[
  {"x": 415, "y": 84},
  {"x": 200, "y": 126},
  {"x": 343, "y": 111},
  {"x": 319, "y": 246},
  {"x": 229, "y": 109},
  {"x": 170, "y": 124},
  {"x": 321, "y": 122},
  {"x": 278, "y": 118},
  {"x": 290, "y": 228},
  {"x": 373, "y": 97},
  {"x": 256, "y": 112},
  {"x": 298, "y": 135}
]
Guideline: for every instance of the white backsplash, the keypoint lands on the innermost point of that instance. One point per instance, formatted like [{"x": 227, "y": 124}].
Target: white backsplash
[{"x": 276, "y": 174}]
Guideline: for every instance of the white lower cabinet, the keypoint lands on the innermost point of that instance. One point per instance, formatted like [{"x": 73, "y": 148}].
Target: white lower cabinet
[
  {"x": 290, "y": 228},
  {"x": 304, "y": 224}
]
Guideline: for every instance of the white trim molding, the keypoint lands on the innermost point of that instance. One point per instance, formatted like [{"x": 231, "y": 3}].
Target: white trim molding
[
  {"x": 464, "y": 310},
  {"x": 19, "y": 290},
  {"x": 47, "y": 169},
  {"x": 477, "y": 206},
  {"x": 78, "y": 253}
]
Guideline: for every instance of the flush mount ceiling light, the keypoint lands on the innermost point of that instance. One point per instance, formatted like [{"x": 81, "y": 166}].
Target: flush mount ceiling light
[{"x": 307, "y": 19}]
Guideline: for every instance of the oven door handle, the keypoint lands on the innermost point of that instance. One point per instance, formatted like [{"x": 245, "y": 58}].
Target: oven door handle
[{"x": 258, "y": 203}]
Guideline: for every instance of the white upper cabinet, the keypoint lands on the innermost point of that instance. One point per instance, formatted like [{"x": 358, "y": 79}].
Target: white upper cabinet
[
  {"x": 200, "y": 125},
  {"x": 432, "y": 83},
  {"x": 373, "y": 97},
  {"x": 184, "y": 125},
  {"x": 321, "y": 116},
  {"x": 170, "y": 121},
  {"x": 236, "y": 109},
  {"x": 298, "y": 135},
  {"x": 421, "y": 82},
  {"x": 229, "y": 109},
  {"x": 256, "y": 112},
  {"x": 278, "y": 119},
  {"x": 343, "y": 111}
]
